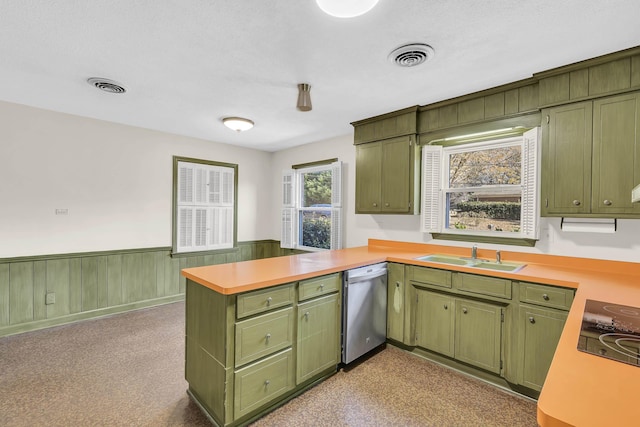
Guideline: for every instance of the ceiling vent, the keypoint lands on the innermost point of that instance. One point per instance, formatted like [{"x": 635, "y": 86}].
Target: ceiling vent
[
  {"x": 106, "y": 85},
  {"x": 411, "y": 55}
]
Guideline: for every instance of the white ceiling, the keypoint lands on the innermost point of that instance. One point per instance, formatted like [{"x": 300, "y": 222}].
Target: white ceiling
[{"x": 188, "y": 63}]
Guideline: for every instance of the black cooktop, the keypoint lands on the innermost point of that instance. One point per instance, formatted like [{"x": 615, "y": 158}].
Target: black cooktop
[{"x": 611, "y": 331}]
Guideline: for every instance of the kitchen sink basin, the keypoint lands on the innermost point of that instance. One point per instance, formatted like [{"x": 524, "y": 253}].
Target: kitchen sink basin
[{"x": 471, "y": 262}]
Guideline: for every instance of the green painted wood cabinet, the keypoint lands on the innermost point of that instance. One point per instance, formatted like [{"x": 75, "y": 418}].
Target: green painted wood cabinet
[
  {"x": 250, "y": 351},
  {"x": 540, "y": 329},
  {"x": 591, "y": 158},
  {"x": 466, "y": 330},
  {"x": 385, "y": 176},
  {"x": 435, "y": 321},
  {"x": 318, "y": 336},
  {"x": 395, "y": 301}
]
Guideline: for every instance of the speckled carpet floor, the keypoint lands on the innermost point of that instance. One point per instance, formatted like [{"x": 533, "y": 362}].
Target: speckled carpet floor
[{"x": 128, "y": 370}]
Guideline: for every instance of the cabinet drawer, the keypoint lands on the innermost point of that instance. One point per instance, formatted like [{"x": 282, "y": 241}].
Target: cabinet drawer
[
  {"x": 548, "y": 296},
  {"x": 255, "y": 302},
  {"x": 483, "y": 285},
  {"x": 319, "y": 286},
  {"x": 263, "y": 335},
  {"x": 258, "y": 384},
  {"x": 430, "y": 276}
]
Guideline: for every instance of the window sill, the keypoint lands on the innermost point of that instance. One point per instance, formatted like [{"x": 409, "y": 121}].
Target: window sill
[
  {"x": 204, "y": 253},
  {"x": 486, "y": 239}
]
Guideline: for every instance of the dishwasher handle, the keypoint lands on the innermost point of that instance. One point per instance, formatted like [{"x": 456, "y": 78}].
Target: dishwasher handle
[{"x": 364, "y": 277}]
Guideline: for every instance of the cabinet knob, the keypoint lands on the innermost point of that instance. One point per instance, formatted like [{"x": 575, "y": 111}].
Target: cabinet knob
[
  {"x": 576, "y": 202},
  {"x": 375, "y": 205},
  {"x": 607, "y": 202},
  {"x": 267, "y": 382},
  {"x": 306, "y": 315},
  {"x": 446, "y": 307},
  {"x": 532, "y": 320},
  {"x": 269, "y": 301},
  {"x": 464, "y": 310},
  {"x": 266, "y": 338},
  {"x": 545, "y": 297},
  {"x": 321, "y": 286},
  {"x": 602, "y": 351},
  {"x": 397, "y": 284},
  {"x": 386, "y": 205}
]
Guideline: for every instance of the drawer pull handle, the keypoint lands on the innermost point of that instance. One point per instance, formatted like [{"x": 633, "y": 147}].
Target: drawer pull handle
[
  {"x": 269, "y": 301},
  {"x": 545, "y": 297},
  {"x": 266, "y": 383},
  {"x": 321, "y": 286},
  {"x": 464, "y": 310},
  {"x": 266, "y": 338},
  {"x": 576, "y": 202},
  {"x": 602, "y": 351},
  {"x": 532, "y": 320},
  {"x": 607, "y": 202}
]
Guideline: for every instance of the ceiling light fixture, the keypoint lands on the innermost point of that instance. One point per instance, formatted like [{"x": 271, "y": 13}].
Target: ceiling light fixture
[
  {"x": 237, "y": 123},
  {"x": 346, "y": 8},
  {"x": 304, "y": 97}
]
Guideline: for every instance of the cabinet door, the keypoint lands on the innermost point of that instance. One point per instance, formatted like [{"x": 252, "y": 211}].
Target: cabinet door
[
  {"x": 478, "y": 334},
  {"x": 540, "y": 330},
  {"x": 318, "y": 336},
  {"x": 395, "y": 301},
  {"x": 396, "y": 175},
  {"x": 435, "y": 317},
  {"x": 566, "y": 159},
  {"x": 616, "y": 154},
  {"x": 368, "y": 177}
]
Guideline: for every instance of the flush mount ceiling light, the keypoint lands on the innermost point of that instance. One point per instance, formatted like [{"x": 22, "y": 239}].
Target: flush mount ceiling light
[
  {"x": 304, "y": 97},
  {"x": 237, "y": 123},
  {"x": 346, "y": 8},
  {"x": 410, "y": 55},
  {"x": 106, "y": 85}
]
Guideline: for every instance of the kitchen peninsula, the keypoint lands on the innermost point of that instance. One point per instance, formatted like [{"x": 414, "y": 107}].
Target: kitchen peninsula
[{"x": 217, "y": 295}]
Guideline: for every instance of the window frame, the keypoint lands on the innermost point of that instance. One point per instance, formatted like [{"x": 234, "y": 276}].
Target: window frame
[
  {"x": 175, "y": 249},
  {"x": 292, "y": 192},
  {"x": 436, "y": 187}
]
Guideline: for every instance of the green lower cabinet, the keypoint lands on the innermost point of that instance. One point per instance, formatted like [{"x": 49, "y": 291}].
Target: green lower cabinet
[
  {"x": 478, "y": 334},
  {"x": 318, "y": 336},
  {"x": 539, "y": 330},
  {"x": 261, "y": 382},
  {"x": 395, "y": 301},
  {"x": 468, "y": 331},
  {"x": 435, "y": 320}
]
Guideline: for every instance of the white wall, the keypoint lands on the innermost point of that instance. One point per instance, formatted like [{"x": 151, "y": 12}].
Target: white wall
[
  {"x": 624, "y": 245},
  {"x": 115, "y": 180}
]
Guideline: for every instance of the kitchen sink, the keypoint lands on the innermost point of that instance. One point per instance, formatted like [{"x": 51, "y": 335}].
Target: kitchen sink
[{"x": 471, "y": 262}]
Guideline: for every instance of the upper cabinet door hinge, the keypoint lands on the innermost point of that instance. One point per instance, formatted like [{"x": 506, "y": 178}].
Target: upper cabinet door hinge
[
  {"x": 502, "y": 317},
  {"x": 547, "y": 119}
]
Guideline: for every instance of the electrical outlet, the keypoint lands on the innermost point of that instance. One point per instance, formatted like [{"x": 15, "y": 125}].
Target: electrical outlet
[
  {"x": 50, "y": 298},
  {"x": 62, "y": 211}
]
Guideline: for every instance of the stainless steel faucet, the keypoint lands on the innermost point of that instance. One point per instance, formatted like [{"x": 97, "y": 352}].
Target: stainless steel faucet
[
  {"x": 498, "y": 257},
  {"x": 474, "y": 252}
]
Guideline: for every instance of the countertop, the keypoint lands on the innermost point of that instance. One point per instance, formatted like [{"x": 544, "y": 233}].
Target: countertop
[{"x": 581, "y": 389}]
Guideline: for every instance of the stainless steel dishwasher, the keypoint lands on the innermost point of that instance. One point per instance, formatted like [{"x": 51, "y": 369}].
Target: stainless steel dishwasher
[{"x": 364, "y": 316}]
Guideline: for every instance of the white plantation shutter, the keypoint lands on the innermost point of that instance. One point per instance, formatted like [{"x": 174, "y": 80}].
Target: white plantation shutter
[
  {"x": 431, "y": 183},
  {"x": 336, "y": 205},
  {"x": 530, "y": 154},
  {"x": 288, "y": 219},
  {"x": 206, "y": 202}
]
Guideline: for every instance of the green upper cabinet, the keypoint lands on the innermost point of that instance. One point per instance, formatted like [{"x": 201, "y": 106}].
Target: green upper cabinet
[
  {"x": 566, "y": 159},
  {"x": 387, "y": 164},
  {"x": 616, "y": 154},
  {"x": 591, "y": 158}
]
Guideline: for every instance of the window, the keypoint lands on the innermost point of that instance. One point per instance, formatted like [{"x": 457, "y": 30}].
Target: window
[
  {"x": 484, "y": 189},
  {"x": 205, "y": 205},
  {"x": 311, "y": 207}
]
